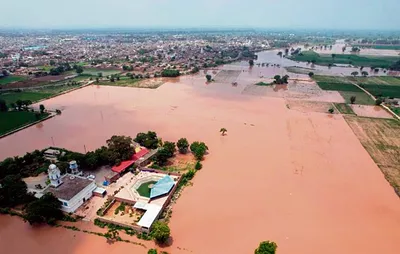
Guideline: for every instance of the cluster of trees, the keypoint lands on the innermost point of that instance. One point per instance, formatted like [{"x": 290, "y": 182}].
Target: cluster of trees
[
  {"x": 396, "y": 66},
  {"x": 160, "y": 231},
  {"x": 60, "y": 69},
  {"x": 281, "y": 80},
  {"x": 164, "y": 153},
  {"x": 170, "y": 73},
  {"x": 44, "y": 210},
  {"x": 148, "y": 140},
  {"x": 127, "y": 68},
  {"x": 13, "y": 191},
  {"x": 251, "y": 62},
  {"x": 24, "y": 166},
  {"x": 78, "y": 69},
  {"x": 199, "y": 149},
  {"x": 3, "y": 106}
]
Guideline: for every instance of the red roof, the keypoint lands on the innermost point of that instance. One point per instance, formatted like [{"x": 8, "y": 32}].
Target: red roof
[{"x": 125, "y": 164}]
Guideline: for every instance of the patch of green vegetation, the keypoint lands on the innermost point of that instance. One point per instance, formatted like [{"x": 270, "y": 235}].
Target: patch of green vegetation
[
  {"x": 144, "y": 189},
  {"x": 344, "y": 108},
  {"x": 36, "y": 94},
  {"x": 82, "y": 77},
  {"x": 338, "y": 87},
  {"x": 382, "y": 90},
  {"x": 356, "y": 60},
  {"x": 120, "y": 208},
  {"x": 15, "y": 119},
  {"x": 330, "y": 79},
  {"x": 95, "y": 71},
  {"x": 361, "y": 97},
  {"x": 263, "y": 84},
  {"x": 123, "y": 81},
  {"x": 382, "y": 80},
  {"x": 10, "y": 79}
]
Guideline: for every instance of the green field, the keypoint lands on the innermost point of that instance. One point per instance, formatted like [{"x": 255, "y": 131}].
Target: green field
[
  {"x": 361, "y": 97},
  {"x": 35, "y": 95},
  {"x": 144, "y": 189},
  {"x": 94, "y": 71},
  {"x": 348, "y": 87},
  {"x": 356, "y": 60},
  {"x": 382, "y": 90},
  {"x": 344, "y": 108},
  {"x": 10, "y": 79},
  {"x": 393, "y": 47},
  {"x": 15, "y": 119},
  {"x": 382, "y": 80}
]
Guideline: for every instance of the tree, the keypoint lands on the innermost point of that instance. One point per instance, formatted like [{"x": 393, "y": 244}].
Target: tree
[
  {"x": 353, "y": 99},
  {"x": 162, "y": 156},
  {"x": 378, "y": 101},
  {"x": 354, "y": 73},
  {"x": 13, "y": 191},
  {"x": 343, "y": 49},
  {"x": 42, "y": 108},
  {"x": 170, "y": 148},
  {"x": 3, "y": 106},
  {"x": 311, "y": 74},
  {"x": 199, "y": 149},
  {"x": 223, "y": 131},
  {"x": 161, "y": 232},
  {"x": 198, "y": 165},
  {"x": 122, "y": 146},
  {"x": 266, "y": 247},
  {"x": 280, "y": 53},
  {"x": 97, "y": 79},
  {"x": 44, "y": 210},
  {"x": 100, "y": 74},
  {"x": 208, "y": 77},
  {"x": 170, "y": 73},
  {"x": 52, "y": 62},
  {"x": 112, "y": 79},
  {"x": 79, "y": 69},
  {"x": 182, "y": 145},
  {"x": 112, "y": 235},
  {"x": 251, "y": 62},
  {"x": 333, "y": 56},
  {"x": 152, "y": 251},
  {"x": 286, "y": 51},
  {"x": 331, "y": 110},
  {"x": 364, "y": 73},
  {"x": 148, "y": 140}
]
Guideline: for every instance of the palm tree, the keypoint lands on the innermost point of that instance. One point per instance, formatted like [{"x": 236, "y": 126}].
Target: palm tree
[{"x": 223, "y": 131}]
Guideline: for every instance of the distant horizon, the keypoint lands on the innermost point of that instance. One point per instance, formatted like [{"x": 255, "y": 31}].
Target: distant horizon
[{"x": 256, "y": 14}]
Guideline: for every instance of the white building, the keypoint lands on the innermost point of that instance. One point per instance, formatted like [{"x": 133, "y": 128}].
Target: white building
[{"x": 71, "y": 190}]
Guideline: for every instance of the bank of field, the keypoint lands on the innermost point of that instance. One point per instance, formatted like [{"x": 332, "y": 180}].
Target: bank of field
[
  {"x": 345, "y": 88},
  {"x": 137, "y": 83},
  {"x": 11, "y": 79},
  {"x": 381, "y": 139},
  {"x": 15, "y": 119},
  {"x": 104, "y": 72},
  {"x": 35, "y": 95},
  {"x": 392, "y": 47},
  {"x": 350, "y": 59}
]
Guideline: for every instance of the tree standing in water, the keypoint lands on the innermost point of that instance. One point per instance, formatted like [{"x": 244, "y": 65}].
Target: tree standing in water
[{"x": 223, "y": 131}]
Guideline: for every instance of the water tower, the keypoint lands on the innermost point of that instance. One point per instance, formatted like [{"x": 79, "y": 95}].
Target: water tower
[
  {"x": 73, "y": 166},
  {"x": 54, "y": 175}
]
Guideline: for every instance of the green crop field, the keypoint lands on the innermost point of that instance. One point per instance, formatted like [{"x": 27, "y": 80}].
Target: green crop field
[
  {"x": 361, "y": 97},
  {"x": 15, "y": 119},
  {"x": 338, "y": 87},
  {"x": 383, "y": 90},
  {"x": 35, "y": 95},
  {"x": 10, "y": 79},
  {"x": 382, "y": 80},
  {"x": 356, "y": 60}
]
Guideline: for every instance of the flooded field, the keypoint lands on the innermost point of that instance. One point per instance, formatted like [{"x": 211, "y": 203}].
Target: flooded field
[{"x": 298, "y": 177}]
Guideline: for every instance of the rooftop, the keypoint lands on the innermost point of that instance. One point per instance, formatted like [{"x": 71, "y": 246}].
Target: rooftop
[{"x": 71, "y": 186}]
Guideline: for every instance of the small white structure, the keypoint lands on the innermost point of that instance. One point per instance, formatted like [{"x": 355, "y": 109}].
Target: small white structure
[
  {"x": 151, "y": 215},
  {"x": 54, "y": 175},
  {"x": 73, "y": 166}
]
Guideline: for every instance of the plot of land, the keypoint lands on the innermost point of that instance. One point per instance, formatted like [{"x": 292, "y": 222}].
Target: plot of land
[
  {"x": 309, "y": 106},
  {"x": 227, "y": 76},
  {"x": 344, "y": 108},
  {"x": 381, "y": 139},
  {"x": 371, "y": 111},
  {"x": 105, "y": 72},
  {"x": 356, "y": 60},
  {"x": 137, "y": 83},
  {"x": 15, "y": 119},
  {"x": 36, "y": 94},
  {"x": 10, "y": 79},
  {"x": 383, "y": 80},
  {"x": 393, "y": 47}
]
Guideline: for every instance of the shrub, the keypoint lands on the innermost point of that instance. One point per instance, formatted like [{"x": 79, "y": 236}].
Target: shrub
[
  {"x": 266, "y": 247},
  {"x": 378, "y": 102},
  {"x": 198, "y": 165},
  {"x": 331, "y": 110},
  {"x": 152, "y": 251},
  {"x": 161, "y": 232},
  {"x": 353, "y": 99},
  {"x": 182, "y": 145}
]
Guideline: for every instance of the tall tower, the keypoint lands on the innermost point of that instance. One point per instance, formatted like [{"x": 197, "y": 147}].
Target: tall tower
[
  {"x": 54, "y": 175},
  {"x": 73, "y": 166}
]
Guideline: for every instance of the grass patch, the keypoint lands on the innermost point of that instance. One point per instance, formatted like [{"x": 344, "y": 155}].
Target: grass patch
[
  {"x": 383, "y": 91},
  {"x": 361, "y": 97},
  {"x": 356, "y": 60},
  {"x": 263, "y": 84},
  {"x": 338, "y": 87},
  {"x": 15, "y": 119},
  {"x": 144, "y": 189},
  {"x": 11, "y": 79},
  {"x": 344, "y": 108},
  {"x": 137, "y": 83},
  {"x": 383, "y": 80}
]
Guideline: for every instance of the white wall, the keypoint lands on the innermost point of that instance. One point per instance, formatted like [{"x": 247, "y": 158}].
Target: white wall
[{"x": 77, "y": 200}]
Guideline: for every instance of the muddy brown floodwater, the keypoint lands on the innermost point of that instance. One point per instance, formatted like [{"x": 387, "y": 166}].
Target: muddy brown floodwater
[{"x": 301, "y": 179}]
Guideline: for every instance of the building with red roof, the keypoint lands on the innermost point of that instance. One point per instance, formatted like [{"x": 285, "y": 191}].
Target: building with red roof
[{"x": 126, "y": 164}]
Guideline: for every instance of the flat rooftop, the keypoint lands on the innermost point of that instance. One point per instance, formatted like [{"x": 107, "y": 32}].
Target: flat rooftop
[{"x": 71, "y": 186}]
